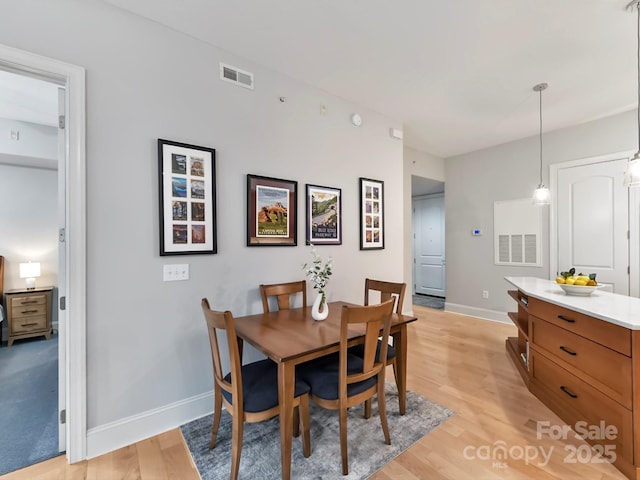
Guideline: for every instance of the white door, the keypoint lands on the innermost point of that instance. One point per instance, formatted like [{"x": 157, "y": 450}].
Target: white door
[
  {"x": 429, "y": 252},
  {"x": 593, "y": 221},
  {"x": 62, "y": 272}
]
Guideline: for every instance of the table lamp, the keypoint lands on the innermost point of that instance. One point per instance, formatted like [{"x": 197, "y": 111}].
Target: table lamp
[{"x": 30, "y": 271}]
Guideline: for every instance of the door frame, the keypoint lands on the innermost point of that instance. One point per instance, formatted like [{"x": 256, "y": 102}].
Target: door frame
[
  {"x": 73, "y": 78},
  {"x": 553, "y": 215}
]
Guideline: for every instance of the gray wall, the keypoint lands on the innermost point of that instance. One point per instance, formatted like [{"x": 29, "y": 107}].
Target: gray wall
[
  {"x": 506, "y": 172},
  {"x": 146, "y": 339}
]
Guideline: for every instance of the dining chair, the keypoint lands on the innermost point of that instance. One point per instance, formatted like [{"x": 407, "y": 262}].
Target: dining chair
[
  {"x": 249, "y": 392},
  {"x": 343, "y": 380},
  {"x": 386, "y": 290},
  {"x": 283, "y": 293}
]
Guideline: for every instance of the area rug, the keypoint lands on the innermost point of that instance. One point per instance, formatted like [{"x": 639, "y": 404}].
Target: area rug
[{"x": 368, "y": 453}]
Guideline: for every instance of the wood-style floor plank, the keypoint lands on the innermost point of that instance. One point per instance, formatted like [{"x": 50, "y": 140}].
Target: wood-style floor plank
[{"x": 455, "y": 360}]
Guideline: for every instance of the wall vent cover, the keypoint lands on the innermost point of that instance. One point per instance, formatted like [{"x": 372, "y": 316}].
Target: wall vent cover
[{"x": 236, "y": 76}]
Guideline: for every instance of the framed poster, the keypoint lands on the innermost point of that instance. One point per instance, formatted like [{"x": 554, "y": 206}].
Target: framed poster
[
  {"x": 371, "y": 214},
  {"x": 272, "y": 208},
  {"x": 324, "y": 215},
  {"x": 187, "y": 189}
]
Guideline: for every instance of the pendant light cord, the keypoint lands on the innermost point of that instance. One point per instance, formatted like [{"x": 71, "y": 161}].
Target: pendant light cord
[
  {"x": 541, "y": 135},
  {"x": 636, "y": 4}
]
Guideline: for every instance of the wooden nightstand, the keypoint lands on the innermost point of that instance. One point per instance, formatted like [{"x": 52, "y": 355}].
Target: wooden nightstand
[{"x": 28, "y": 313}]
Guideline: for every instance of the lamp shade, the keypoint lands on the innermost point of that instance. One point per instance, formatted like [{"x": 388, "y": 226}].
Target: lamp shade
[{"x": 29, "y": 270}]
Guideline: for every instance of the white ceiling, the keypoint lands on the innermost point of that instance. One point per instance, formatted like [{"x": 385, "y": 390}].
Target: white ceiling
[
  {"x": 28, "y": 99},
  {"x": 457, "y": 74}
]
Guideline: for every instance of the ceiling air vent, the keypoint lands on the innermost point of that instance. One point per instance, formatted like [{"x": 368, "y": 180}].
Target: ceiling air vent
[{"x": 236, "y": 76}]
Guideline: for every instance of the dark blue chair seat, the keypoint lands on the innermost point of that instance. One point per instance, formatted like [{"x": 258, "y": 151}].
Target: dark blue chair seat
[
  {"x": 260, "y": 386},
  {"x": 358, "y": 350},
  {"x": 322, "y": 376}
]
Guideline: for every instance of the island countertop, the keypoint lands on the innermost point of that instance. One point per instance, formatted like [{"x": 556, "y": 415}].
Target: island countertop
[{"x": 610, "y": 307}]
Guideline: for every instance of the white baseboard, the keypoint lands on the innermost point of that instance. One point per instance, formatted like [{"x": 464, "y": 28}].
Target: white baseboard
[
  {"x": 483, "y": 313},
  {"x": 111, "y": 436}
]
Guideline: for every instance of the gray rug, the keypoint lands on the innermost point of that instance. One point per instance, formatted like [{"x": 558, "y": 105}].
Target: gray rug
[{"x": 368, "y": 453}]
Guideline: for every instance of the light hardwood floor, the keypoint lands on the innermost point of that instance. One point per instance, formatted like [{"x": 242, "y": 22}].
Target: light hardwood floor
[{"x": 455, "y": 360}]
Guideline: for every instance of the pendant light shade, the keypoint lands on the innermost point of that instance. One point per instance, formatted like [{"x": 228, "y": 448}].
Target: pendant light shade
[
  {"x": 632, "y": 175},
  {"x": 541, "y": 195}
]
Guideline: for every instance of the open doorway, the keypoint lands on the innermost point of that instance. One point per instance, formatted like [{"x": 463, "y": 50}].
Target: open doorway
[
  {"x": 30, "y": 156},
  {"x": 429, "y": 256},
  {"x": 71, "y": 211}
]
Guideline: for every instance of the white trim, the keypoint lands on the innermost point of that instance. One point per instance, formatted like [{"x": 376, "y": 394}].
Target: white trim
[
  {"x": 482, "y": 313},
  {"x": 73, "y": 77},
  {"x": 634, "y": 239},
  {"x": 553, "y": 211},
  {"x": 118, "y": 434}
]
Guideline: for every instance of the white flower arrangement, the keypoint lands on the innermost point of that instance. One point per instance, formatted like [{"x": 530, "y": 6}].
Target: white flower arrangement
[{"x": 318, "y": 272}]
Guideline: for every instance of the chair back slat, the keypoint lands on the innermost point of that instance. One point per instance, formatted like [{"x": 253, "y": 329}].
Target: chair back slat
[
  {"x": 386, "y": 291},
  {"x": 283, "y": 293},
  {"x": 375, "y": 318},
  {"x": 217, "y": 320}
]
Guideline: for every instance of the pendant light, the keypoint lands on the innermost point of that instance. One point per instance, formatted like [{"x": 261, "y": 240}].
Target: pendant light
[
  {"x": 541, "y": 195},
  {"x": 632, "y": 175}
]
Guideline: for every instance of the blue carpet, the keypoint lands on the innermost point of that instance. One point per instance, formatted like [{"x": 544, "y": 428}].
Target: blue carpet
[
  {"x": 29, "y": 402},
  {"x": 428, "y": 301}
]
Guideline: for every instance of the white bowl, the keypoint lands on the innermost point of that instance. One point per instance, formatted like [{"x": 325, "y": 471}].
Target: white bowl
[{"x": 580, "y": 290}]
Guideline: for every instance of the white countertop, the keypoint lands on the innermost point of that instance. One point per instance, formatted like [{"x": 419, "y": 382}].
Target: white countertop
[{"x": 611, "y": 307}]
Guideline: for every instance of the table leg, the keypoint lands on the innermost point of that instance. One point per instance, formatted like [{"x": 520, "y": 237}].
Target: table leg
[
  {"x": 286, "y": 387},
  {"x": 400, "y": 344}
]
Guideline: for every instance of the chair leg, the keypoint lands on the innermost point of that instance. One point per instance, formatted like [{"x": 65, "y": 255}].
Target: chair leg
[
  {"x": 395, "y": 372},
  {"x": 343, "y": 441},
  {"x": 217, "y": 411},
  {"x": 296, "y": 422},
  {"x": 367, "y": 409},
  {"x": 382, "y": 410},
  {"x": 236, "y": 445},
  {"x": 306, "y": 427}
]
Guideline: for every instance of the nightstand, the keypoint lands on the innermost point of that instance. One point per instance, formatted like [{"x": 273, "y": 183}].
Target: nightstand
[{"x": 28, "y": 313}]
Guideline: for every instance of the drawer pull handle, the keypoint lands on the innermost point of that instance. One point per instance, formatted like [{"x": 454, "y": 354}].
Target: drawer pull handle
[
  {"x": 569, "y": 320},
  {"x": 566, "y": 350},
  {"x": 29, "y": 311},
  {"x": 568, "y": 392},
  {"x": 28, "y": 302},
  {"x": 29, "y": 324}
]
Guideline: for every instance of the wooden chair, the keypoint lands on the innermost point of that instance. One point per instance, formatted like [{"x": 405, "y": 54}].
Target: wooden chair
[
  {"x": 283, "y": 293},
  {"x": 387, "y": 290},
  {"x": 248, "y": 392},
  {"x": 343, "y": 380}
]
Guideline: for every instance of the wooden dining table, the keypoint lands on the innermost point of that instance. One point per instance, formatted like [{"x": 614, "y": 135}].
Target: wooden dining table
[{"x": 291, "y": 337}]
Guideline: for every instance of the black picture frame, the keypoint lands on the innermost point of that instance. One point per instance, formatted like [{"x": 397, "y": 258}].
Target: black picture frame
[
  {"x": 272, "y": 210},
  {"x": 323, "y": 215},
  {"x": 371, "y": 214},
  {"x": 187, "y": 193}
]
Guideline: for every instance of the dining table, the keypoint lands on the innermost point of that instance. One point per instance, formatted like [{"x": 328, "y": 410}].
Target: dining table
[{"x": 290, "y": 337}]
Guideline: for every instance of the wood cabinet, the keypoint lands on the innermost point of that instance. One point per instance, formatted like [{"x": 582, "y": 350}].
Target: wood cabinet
[
  {"x": 582, "y": 368},
  {"x": 28, "y": 313}
]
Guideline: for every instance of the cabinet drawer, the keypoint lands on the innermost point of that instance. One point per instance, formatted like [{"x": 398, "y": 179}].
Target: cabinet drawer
[
  {"x": 576, "y": 401},
  {"x": 29, "y": 300},
  {"x": 18, "y": 312},
  {"x": 28, "y": 324},
  {"x": 606, "y": 369},
  {"x": 608, "y": 334}
]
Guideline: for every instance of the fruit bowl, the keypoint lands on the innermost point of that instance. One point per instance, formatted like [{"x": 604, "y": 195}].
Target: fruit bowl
[{"x": 580, "y": 290}]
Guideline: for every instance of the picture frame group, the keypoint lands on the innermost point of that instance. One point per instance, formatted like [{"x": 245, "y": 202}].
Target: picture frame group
[
  {"x": 371, "y": 214},
  {"x": 187, "y": 192}
]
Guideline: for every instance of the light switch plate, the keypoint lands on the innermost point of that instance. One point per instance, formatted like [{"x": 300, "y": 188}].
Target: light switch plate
[{"x": 176, "y": 272}]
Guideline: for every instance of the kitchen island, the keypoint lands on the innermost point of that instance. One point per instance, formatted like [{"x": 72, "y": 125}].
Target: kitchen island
[{"x": 580, "y": 355}]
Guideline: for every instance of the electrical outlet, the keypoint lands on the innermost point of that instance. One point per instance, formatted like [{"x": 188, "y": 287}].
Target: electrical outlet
[
  {"x": 173, "y": 273},
  {"x": 485, "y": 294},
  {"x": 15, "y": 135}
]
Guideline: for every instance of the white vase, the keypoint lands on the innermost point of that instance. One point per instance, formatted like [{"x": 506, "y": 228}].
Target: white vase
[{"x": 320, "y": 308}]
